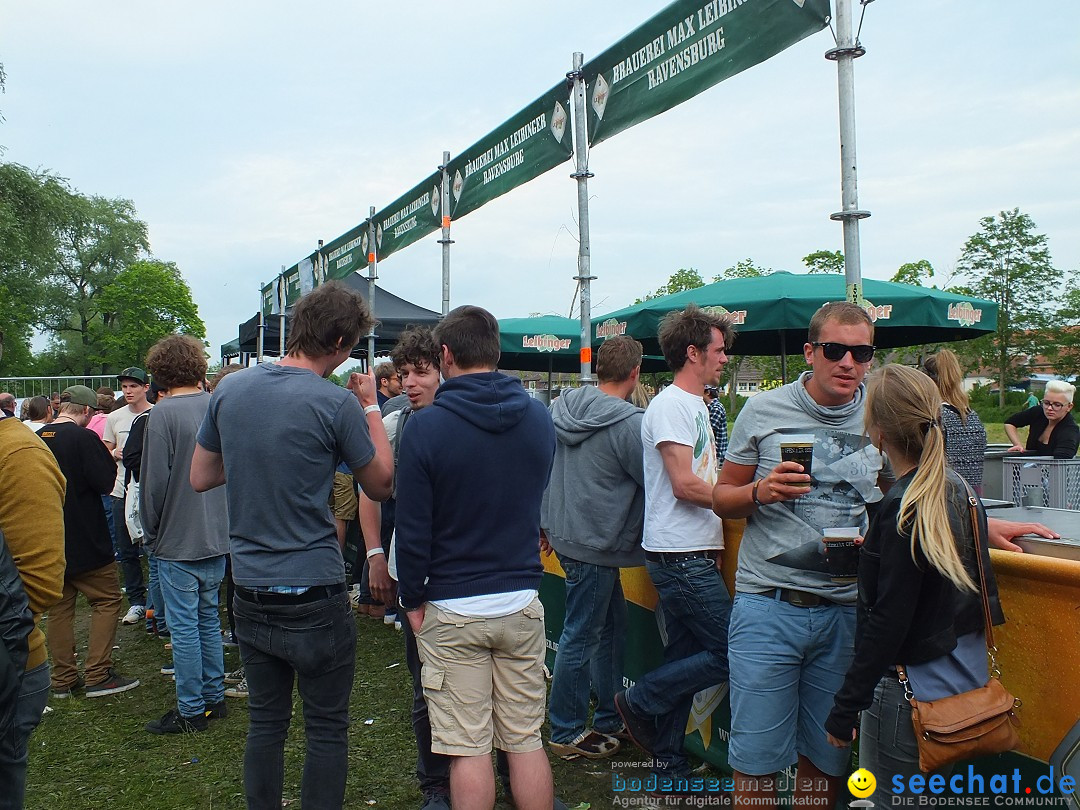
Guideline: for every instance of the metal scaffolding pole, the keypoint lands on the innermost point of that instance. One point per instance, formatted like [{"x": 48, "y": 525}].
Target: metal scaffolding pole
[
  {"x": 260, "y": 333},
  {"x": 581, "y": 175},
  {"x": 372, "y": 260},
  {"x": 845, "y": 53},
  {"x": 280, "y": 292},
  {"x": 446, "y": 241}
]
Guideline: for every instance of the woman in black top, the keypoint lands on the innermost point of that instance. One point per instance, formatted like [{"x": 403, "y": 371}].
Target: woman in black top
[
  {"x": 918, "y": 603},
  {"x": 1052, "y": 431}
]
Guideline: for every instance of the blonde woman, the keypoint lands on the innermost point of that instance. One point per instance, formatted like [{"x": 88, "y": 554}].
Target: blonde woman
[
  {"x": 918, "y": 604},
  {"x": 1052, "y": 431},
  {"x": 965, "y": 436}
]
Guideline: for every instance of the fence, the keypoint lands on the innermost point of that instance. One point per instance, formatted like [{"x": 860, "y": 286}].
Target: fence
[{"x": 23, "y": 387}]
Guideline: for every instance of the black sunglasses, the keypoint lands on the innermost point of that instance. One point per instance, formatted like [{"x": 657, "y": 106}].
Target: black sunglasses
[{"x": 836, "y": 351}]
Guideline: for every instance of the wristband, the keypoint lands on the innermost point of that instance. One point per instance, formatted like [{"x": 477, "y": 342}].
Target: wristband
[
  {"x": 372, "y": 409},
  {"x": 753, "y": 493},
  {"x": 374, "y": 552}
]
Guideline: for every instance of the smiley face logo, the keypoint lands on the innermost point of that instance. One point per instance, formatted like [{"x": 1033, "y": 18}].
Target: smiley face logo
[{"x": 861, "y": 783}]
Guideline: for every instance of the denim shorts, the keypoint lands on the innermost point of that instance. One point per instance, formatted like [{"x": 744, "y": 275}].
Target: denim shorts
[{"x": 787, "y": 663}]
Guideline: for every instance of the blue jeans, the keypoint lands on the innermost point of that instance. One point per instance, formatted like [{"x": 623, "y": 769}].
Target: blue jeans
[
  {"x": 29, "y": 706},
  {"x": 695, "y": 607},
  {"x": 128, "y": 555},
  {"x": 590, "y": 651},
  {"x": 190, "y": 590},
  {"x": 315, "y": 642},
  {"x": 154, "y": 598}
]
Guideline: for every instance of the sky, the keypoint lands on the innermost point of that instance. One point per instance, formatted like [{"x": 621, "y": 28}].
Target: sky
[{"x": 244, "y": 132}]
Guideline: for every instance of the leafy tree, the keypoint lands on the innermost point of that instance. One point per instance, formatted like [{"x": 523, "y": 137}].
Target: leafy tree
[
  {"x": 97, "y": 238},
  {"x": 1008, "y": 263},
  {"x": 1067, "y": 358},
  {"x": 143, "y": 304},
  {"x": 744, "y": 268},
  {"x": 685, "y": 278},
  {"x": 30, "y": 206},
  {"x": 825, "y": 261},
  {"x": 914, "y": 273}
]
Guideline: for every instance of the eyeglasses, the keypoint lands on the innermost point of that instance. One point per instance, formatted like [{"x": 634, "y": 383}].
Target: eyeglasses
[
  {"x": 1054, "y": 406},
  {"x": 836, "y": 351}
]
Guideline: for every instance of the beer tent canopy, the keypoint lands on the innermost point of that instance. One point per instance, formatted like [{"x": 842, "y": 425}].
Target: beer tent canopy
[{"x": 772, "y": 312}]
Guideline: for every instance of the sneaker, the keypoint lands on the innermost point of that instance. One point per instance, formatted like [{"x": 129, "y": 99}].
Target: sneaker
[
  {"x": 228, "y": 639},
  {"x": 590, "y": 744},
  {"x": 216, "y": 711},
  {"x": 642, "y": 729},
  {"x": 172, "y": 722},
  {"x": 239, "y": 690},
  {"x": 389, "y": 618},
  {"x": 62, "y": 694},
  {"x": 235, "y": 677},
  {"x": 376, "y": 611},
  {"x": 135, "y": 614},
  {"x": 397, "y": 625},
  {"x": 436, "y": 800},
  {"x": 168, "y": 669},
  {"x": 113, "y": 685}
]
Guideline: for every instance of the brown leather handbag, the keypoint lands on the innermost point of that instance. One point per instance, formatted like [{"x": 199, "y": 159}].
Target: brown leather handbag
[{"x": 972, "y": 724}]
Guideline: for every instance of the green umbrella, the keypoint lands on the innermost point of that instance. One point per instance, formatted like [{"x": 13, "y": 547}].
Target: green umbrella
[
  {"x": 548, "y": 343},
  {"x": 772, "y": 312}
]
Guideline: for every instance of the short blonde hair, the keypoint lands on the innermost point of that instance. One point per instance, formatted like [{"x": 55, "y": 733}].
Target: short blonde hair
[{"x": 1059, "y": 387}]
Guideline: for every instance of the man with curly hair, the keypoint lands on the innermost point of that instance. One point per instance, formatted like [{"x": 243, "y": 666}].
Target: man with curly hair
[{"x": 188, "y": 533}]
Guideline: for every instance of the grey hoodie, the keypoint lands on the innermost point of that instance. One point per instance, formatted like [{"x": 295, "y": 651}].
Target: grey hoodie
[{"x": 594, "y": 507}]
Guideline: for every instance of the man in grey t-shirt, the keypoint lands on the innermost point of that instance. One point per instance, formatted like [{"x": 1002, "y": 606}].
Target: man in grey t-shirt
[
  {"x": 792, "y": 624},
  {"x": 293, "y": 617}
]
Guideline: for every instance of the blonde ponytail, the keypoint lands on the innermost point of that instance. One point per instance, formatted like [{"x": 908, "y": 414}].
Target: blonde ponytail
[{"x": 905, "y": 406}]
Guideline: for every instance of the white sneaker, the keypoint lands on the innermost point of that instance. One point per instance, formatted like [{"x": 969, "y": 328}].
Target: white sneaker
[{"x": 135, "y": 614}]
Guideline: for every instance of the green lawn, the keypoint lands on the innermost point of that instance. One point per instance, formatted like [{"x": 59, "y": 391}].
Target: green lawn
[{"x": 90, "y": 754}]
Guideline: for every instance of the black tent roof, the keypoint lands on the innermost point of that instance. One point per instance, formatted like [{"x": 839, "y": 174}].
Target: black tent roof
[{"x": 394, "y": 315}]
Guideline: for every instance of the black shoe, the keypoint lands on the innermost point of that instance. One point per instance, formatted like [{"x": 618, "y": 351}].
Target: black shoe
[
  {"x": 172, "y": 722},
  {"x": 642, "y": 729},
  {"x": 215, "y": 711},
  {"x": 112, "y": 685}
]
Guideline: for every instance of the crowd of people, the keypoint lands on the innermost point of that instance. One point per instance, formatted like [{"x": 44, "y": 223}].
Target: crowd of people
[{"x": 463, "y": 481}]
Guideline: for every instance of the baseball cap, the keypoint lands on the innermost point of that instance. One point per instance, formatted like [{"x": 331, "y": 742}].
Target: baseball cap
[
  {"x": 712, "y": 389},
  {"x": 132, "y": 373},
  {"x": 80, "y": 395}
]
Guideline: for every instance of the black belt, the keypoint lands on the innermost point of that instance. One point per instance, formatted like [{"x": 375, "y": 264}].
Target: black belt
[
  {"x": 312, "y": 594},
  {"x": 800, "y": 598},
  {"x": 677, "y": 556}
]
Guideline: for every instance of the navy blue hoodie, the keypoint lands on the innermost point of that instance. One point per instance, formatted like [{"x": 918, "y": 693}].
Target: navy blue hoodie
[{"x": 472, "y": 470}]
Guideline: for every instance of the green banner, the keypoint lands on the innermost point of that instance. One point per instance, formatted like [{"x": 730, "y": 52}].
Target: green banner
[
  {"x": 533, "y": 141},
  {"x": 346, "y": 254},
  {"x": 410, "y": 217},
  {"x": 687, "y": 48}
]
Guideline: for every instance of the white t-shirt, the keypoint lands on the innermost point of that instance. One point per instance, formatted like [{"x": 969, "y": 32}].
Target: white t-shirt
[
  {"x": 678, "y": 416},
  {"x": 117, "y": 427}
]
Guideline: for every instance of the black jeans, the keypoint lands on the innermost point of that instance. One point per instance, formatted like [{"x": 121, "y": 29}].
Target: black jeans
[
  {"x": 129, "y": 556},
  {"x": 432, "y": 770},
  {"x": 316, "y": 642}
]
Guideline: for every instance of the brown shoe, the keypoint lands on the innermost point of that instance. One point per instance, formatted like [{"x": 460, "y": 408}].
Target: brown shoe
[{"x": 376, "y": 611}]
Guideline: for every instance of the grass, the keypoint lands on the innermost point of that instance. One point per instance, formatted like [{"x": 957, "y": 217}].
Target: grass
[{"x": 91, "y": 754}]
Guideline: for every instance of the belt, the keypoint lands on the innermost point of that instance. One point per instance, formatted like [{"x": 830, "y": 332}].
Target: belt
[
  {"x": 801, "y": 598},
  {"x": 677, "y": 556},
  {"x": 312, "y": 594}
]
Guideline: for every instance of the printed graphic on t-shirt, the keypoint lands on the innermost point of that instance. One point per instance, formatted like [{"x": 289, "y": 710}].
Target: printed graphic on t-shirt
[
  {"x": 704, "y": 450},
  {"x": 843, "y": 478}
]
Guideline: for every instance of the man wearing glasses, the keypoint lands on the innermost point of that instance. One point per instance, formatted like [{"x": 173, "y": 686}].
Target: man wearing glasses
[{"x": 793, "y": 622}]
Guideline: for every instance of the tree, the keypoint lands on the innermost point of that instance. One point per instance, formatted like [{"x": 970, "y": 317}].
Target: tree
[
  {"x": 744, "y": 268},
  {"x": 1067, "y": 358},
  {"x": 914, "y": 273},
  {"x": 30, "y": 206},
  {"x": 97, "y": 238},
  {"x": 1008, "y": 263},
  {"x": 143, "y": 304},
  {"x": 685, "y": 278},
  {"x": 825, "y": 261}
]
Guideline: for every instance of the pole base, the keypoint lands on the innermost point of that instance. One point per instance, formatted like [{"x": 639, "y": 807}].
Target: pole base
[{"x": 841, "y": 216}]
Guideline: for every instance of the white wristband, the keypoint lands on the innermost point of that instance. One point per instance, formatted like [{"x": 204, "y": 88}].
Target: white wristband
[
  {"x": 372, "y": 552},
  {"x": 372, "y": 409}
]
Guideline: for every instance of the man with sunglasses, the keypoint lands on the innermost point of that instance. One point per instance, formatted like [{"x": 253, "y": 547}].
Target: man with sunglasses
[{"x": 793, "y": 624}]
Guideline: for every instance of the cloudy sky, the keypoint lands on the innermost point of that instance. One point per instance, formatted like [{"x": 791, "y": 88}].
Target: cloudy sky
[{"x": 246, "y": 131}]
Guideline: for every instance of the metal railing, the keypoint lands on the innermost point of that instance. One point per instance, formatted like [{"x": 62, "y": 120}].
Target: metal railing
[{"x": 23, "y": 387}]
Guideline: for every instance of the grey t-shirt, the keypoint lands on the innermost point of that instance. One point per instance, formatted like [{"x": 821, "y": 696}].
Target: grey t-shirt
[
  {"x": 281, "y": 431},
  {"x": 180, "y": 523},
  {"x": 782, "y": 544}
]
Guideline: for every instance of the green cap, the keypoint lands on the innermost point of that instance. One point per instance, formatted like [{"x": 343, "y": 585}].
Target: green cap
[
  {"x": 80, "y": 395},
  {"x": 132, "y": 373}
]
